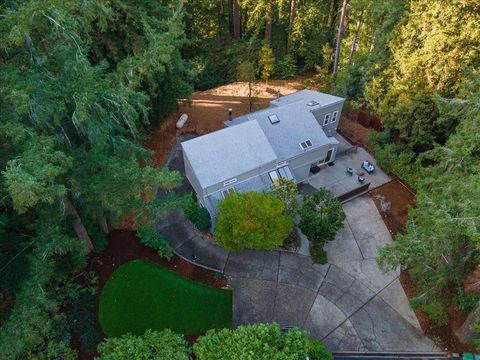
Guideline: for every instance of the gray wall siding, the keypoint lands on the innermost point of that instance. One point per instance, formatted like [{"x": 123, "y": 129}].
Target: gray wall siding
[
  {"x": 300, "y": 165},
  {"x": 241, "y": 177},
  {"x": 331, "y": 128},
  {"x": 190, "y": 174}
]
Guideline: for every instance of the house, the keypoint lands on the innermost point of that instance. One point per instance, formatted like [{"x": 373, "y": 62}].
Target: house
[{"x": 295, "y": 133}]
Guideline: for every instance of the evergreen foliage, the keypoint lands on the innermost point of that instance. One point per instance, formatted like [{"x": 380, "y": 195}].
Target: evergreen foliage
[
  {"x": 259, "y": 341},
  {"x": 252, "y": 220},
  {"x": 163, "y": 344}
]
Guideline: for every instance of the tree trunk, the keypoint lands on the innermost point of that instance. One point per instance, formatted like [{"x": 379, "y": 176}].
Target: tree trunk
[
  {"x": 79, "y": 228},
  {"x": 103, "y": 225},
  {"x": 291, "y": 18},
  {"x": 250, "y": 95},
  {"x": 269, "y": 20},
  {"x": 354, "y": 42},
  {"x": 339, "y": 36},
  {"x": 236, "y": 19}
]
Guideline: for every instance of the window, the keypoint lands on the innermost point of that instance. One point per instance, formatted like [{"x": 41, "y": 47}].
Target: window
[
  {"x": 227, "y": 192},
  {"x": 273, "y": 119},
  {"x": 312, "y": 103},
  {"x": 326, "y": 119},
  {"x": 334, "y": 116},
  {"x": 305, "y": 144},
  {"x": 273, "y": 175},
  {"x": 230, "y": 182},
  {"x": 282, "y": 172}
]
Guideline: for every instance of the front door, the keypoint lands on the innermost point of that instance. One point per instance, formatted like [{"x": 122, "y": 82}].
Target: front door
[
  {"x": 329, "y": 155},
  {"x": 327, "y": 158}
]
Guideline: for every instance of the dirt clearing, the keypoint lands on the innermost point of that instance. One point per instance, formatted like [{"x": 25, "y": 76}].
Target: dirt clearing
[{"x": 208, "y": 110}]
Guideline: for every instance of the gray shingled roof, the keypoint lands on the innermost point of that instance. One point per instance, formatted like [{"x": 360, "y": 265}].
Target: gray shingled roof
[
  {"x": 227, "y": 153},
  {"x": 306, "y": 96},
  {"x": 297, "y": 124}
]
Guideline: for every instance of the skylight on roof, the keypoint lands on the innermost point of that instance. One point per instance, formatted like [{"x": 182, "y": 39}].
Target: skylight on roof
[
  {"x": 306, "y": 144},
  {"x": 273, "y": 118},
  {"x": 312, "y": 103}
]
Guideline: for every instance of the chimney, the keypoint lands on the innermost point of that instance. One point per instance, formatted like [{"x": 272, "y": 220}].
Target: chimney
[{"x": 230, "y": 111}]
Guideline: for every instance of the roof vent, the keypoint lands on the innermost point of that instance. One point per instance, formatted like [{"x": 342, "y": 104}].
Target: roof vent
[
  {"x": 306, "y": 144},
  {"x": 312, "y": 103},
  {"x": 273, "y": 118}
]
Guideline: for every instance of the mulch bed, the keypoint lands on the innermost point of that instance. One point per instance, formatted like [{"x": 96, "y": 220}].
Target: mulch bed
[
  {"x": 401, "y": 199},
  {"x": 124, "y": 246}
]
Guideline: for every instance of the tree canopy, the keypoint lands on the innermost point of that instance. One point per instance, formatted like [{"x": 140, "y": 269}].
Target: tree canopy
[{"x": 252, "y": 220}]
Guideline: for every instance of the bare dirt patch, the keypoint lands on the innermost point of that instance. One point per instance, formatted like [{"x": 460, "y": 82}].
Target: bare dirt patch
[
  {"x": 208, "y": 109},
  {"x": 355, "y": 133},
  {"x": 393, "y": 201}
]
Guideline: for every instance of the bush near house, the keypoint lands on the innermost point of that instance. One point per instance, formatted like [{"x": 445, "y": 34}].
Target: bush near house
[
  {"x": 321, "y": 216},
  {"x": 198, "y": 215},
  {"x": 252, "y": 220}
]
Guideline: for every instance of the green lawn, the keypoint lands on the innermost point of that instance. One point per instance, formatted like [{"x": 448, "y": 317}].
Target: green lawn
[{"x": 142, "y": 295}]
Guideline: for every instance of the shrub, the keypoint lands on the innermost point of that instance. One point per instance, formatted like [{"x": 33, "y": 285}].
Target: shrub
[
  {"x": 252, "y": 220},
  {"x": 317, "y": 253},
  {"x": 394, "y": 159},
  {"x": 475, "y": 329},
  {"x": 259, "y": 341},
  {"x": 98, "y": 237},
  {"x": 151, "y": 238},
  {"x": 318, "y": 351},
  {"x": 466, "y": 302},
  {"x": 286, "y": 67},
  {"x": 321, "y": 216},
  {"x": 266, "y": 61},
  {"x": 152, "y": 345},
  {"x": 201, "y": 219},
  {"x": 198, "y": 215},
  {"x": 435, "y": 311},
  {"x": 83, "y": 323},
  {"x": 287, "y": 191}
]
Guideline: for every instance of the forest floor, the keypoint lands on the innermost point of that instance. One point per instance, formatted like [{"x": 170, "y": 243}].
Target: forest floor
[
  {"x": 393, "y": 201},
  {"x": 208, "y": 109},
  {"x": 353, "y": 131}
]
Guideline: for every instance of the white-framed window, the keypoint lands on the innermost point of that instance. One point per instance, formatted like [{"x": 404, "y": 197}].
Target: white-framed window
[
  {"x": 230, "y": 182},
  {"x": 326, "y": 119},
  {"x": 334, "y": 116},
  {"x": 227, "y": 192},
  {"x": 306, "y": 144},
  {"x": 273, "y": 175},
  {"x": 281, "y": 172}
]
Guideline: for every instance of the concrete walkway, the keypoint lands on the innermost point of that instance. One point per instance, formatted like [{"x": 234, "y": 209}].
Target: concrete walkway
[{"x": 348, "y": 304}]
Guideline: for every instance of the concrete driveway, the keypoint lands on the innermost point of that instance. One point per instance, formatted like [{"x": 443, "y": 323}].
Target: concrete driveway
[{"x": 348, "y": 304}]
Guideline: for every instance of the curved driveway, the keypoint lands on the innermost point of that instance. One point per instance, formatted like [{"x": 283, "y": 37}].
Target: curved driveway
[{"x": 348, "y": 304}]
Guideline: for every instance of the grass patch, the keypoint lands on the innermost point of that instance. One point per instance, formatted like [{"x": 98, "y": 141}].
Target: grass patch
[{"x": 142, "y": 295}]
